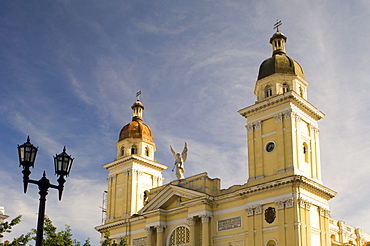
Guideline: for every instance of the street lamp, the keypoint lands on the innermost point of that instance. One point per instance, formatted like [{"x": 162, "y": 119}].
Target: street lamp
[{"x": 62, "y": 163}]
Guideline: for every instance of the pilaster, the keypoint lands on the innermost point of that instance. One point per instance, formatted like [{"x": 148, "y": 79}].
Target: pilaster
[
  {"x": 205, "y": 230},
  {"x": 160, "y": 230},
  {"x": 191, "y": 221},
  {"x": 149, "y": 233}
]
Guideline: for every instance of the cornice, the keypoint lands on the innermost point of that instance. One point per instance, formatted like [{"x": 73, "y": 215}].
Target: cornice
[
  {"x": 278, "y": 100},
  {"x": 142, "y": 161},
  {"x": 107, "y": 226},
  {"x": 297, "y": 180}
]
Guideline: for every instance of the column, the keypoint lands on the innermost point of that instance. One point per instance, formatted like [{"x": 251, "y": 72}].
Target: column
[
  {"x": 149, "y": 232},
  {"x": 205, "y": 230},
  {"x": 191, "y": 221},
  {"x": 160, "y": 230}
]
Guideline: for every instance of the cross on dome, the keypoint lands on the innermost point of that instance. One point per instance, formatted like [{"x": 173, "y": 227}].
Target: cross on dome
[
  {"x": 138, "y": 93},
  {"x": 277, "y": 24}
]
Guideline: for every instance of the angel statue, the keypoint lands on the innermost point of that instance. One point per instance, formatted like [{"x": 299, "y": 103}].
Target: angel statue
[{"x": 179, "y": 161}]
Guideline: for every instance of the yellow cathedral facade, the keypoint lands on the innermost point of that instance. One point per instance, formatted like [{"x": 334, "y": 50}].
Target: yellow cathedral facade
[{"x": 283, "y": 203}]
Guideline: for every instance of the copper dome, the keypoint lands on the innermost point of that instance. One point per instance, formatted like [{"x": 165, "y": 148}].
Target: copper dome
[{"x": 136, "y": 129}]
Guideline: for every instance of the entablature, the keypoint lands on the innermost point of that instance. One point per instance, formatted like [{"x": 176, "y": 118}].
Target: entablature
[
  {"x": 151, "y": 164},
  {"x": 279, "y": 100}
]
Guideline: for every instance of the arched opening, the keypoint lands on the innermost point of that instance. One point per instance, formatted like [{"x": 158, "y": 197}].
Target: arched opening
[
  {"x": 268, "y": 91},
  {"x": 147, "y": 151},
  {"x": 122, "y": 151},
  {"x": 271, "y": 242},
  {"x": 180, "y": 236},
  {"x": 306, "y": 152},
  {"x": 285, "y": 87},
  {"x": 134, "y": 150}
]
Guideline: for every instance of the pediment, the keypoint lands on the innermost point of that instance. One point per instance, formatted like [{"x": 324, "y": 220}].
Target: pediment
[{"x": 170, "y": 197}]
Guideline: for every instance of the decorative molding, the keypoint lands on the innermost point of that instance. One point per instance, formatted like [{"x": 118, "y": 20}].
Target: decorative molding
[
  {"x": 160, "y": 228},
  {"x": 287, "y": 114},
  {"x": 141, "y": 241},
  {"x": 290, "y": 96},
  {"x": 205, "y": 218},
  {"x": 257, "y": 125},
  {"x": 128, "y": 172},
  {"x": 304, "y": 203},
  {"x": 250, "y": 211},
  {"x": 324, "y": 212},
  {"x": 191, "y": 220},
  {"x": 229, "y": 224},
  {"x": 254, "y": 210},
  {"x": 249, "y": 127},
  {"x": 149, "y": 230},
  {"x": 112, "y": 177},
  {"x": 289, "y": 203},
  {"x": 279, "y": 117}
]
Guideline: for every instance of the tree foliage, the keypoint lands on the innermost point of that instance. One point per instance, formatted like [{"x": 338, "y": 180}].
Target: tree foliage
[
  {"x": 7, "y": 226},
  {"x": 51, "y": 237},
  {"x": 108, "y": 241}
]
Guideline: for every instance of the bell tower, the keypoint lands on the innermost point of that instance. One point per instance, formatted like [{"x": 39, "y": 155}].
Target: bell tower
[
  {"x": 135, "y": 171},
  {"x": 282, "y": 126}
]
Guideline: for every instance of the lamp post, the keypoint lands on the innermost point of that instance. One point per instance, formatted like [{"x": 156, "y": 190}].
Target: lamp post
[{"x": 62, "y": 163}]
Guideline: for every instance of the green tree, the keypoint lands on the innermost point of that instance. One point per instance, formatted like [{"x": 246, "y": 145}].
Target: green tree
[
  {"x": 51, "y": 236},
  {"x": 7, "y": 226},
  {"x": 108, "y": 241}
]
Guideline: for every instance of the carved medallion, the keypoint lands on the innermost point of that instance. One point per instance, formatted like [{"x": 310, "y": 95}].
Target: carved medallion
[{"x": 270, "y": 215}]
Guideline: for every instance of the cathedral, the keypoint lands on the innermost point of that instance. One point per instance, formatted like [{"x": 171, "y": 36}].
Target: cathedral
[{"x": 284, "y": 201}]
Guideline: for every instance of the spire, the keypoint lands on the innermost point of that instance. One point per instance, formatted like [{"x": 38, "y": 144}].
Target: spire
[{"x": 278, "y": 40}]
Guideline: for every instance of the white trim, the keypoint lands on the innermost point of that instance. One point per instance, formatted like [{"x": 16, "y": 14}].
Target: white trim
[
  {"x": 265, "y": 148},
  {"x": 268, "y": 134}
]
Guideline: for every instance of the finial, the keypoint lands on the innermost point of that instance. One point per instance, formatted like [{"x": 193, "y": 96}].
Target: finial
[
  {"x": 277, "y": 24},
  {"x": 138, "y": 93}
]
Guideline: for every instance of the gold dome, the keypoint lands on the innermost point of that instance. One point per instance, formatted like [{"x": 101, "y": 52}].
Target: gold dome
[{"x": 136, "y": 128}]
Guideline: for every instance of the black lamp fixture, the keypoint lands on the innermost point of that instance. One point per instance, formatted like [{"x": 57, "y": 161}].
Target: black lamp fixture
[{"x": 62, "y": 163}]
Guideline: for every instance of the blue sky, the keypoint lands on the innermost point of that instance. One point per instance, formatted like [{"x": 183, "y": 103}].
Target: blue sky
[{"x": 69, "y": 71}]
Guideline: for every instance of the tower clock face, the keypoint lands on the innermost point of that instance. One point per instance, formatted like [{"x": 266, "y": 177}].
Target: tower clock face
[{"x": 270, "y": 147}]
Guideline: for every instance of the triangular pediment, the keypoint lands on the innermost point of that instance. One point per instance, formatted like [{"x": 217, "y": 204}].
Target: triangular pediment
[{"x": 170, "y": 197}]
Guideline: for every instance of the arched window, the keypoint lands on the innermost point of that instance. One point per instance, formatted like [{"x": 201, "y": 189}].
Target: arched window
[
  {"x": 122, "y": 151},
  {"x": 301, "y": 91},
  {"x": 268, "y": 91},
  {"x": 305, "y": 152},
  {"x": 285, "y": 87},
  {"x": 180, "y": 236},
  {"x": 133, "y": 150},
  {"x": 271, "y": 242},
  {"x": 147, "y": 152}
]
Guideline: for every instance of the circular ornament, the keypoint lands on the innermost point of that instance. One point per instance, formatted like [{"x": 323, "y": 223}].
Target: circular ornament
[{"x": 270, "y": 147}]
